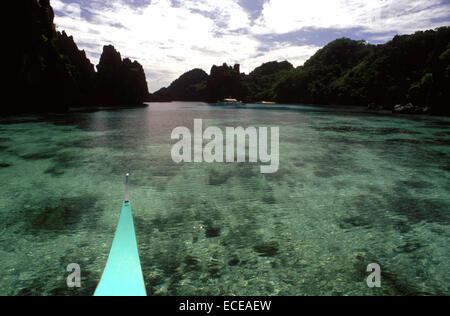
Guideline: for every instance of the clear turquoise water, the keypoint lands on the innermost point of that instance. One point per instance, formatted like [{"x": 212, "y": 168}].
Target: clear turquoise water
[{"x": 353, "y": 188}]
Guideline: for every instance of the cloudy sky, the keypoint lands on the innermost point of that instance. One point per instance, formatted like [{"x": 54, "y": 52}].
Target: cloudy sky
[{"x": 170, "y": 37}]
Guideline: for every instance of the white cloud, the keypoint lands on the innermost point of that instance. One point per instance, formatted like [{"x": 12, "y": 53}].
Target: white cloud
[
  {"x": 169, "y": 40},
  {"x": 72, "y": 9},
  {"x": 228, "y": 11},
  {"x": 404, "y": 16}
]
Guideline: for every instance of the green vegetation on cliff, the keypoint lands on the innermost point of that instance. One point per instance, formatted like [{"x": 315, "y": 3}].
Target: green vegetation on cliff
[
  {"x": 189, "y": 87},
  {"x": 225, "y": 82},
  {"x": 409, "y": 69},
  {"x": 262, "y": 81}
]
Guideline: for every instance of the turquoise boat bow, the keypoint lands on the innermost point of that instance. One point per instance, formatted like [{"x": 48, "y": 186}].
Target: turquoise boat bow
[{"x": 123, "y": 273}]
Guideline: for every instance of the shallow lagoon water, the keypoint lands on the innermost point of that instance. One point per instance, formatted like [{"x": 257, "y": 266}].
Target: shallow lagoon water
[{"x": 353, "y": 188}]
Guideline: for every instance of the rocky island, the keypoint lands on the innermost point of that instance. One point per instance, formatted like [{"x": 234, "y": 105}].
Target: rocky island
[
  {"x": 412, "y": 71},
  {"x": 46, "y": 72}
]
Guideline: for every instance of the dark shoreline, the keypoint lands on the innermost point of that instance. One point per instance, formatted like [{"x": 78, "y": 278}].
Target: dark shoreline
[
  {"x": 75, "y": 110},
  {"x": 384, "y": 111},
  {"x": 105, "y": 108}
]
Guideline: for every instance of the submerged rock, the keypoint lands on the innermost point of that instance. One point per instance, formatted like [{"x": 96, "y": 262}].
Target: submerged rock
[
  {"x": 212, "y": 231},
  {"x": 267, "y": 249},
  {"x": 234, "y": 262},
  {"x": 408, "y": 248},
  {"x": 218, "y": 178}
]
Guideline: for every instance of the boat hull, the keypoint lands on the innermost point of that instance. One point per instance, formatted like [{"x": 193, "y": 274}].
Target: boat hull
[{"x": 123, "y": 273}]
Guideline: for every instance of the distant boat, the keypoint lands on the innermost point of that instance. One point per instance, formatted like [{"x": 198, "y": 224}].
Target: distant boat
[
  {"x": 268, "y": 102},
  {"x": 229, "y": 102}
]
